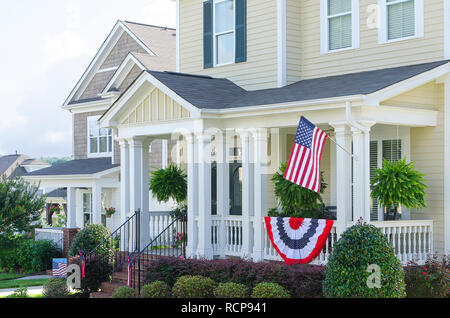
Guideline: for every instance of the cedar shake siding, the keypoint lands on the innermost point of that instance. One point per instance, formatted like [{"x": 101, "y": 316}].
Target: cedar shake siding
[{"x": 125, "y": 45}]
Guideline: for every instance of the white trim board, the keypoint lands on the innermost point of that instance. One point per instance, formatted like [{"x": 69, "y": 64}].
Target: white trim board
[
  {"x": 447, "y": 29},
  {"x": 281, "y": 43}
]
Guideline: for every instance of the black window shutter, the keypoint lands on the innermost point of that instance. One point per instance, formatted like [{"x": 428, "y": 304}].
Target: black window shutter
[
  {"x": 241, "y": 31},
  {"x": 208, "y": 34}
]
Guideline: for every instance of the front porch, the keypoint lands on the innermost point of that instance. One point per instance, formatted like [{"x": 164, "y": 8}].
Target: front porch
[{"x": 230, "y": 156}]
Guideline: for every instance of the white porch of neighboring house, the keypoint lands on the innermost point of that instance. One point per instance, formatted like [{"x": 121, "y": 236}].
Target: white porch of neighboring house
[
  {"x": 87, "y": 195},
  {"x": 231, "y": 155}
]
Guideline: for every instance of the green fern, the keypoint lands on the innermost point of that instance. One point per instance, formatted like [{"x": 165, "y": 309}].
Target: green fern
[{"x": 169, "y": 183}]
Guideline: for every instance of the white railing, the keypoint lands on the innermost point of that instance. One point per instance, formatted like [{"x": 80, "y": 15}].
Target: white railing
[
  {"x": 53, "y": 234},
  {"x": 158, "y": 222},
  {"x": 412, "y": 240},
  {"x": 226, "y": 235}
]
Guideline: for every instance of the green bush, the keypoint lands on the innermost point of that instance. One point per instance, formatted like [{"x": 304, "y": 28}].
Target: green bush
[
  {"x": 348, "y": 273},
  {"x": 231, "y": 290},
  {"x": 432, "y": 280},
  {"x": 269, "y": 290},
  {"x": 55, "y": 288},
  {"x": 98, "y": 269},
  {"x": 124, "y": 292},
  {"x": 189, "y": 286},
  {"x": 169, "y": 183},
  {"x": 88, "y": 239},
  {"x": 156, "y": 289},
  {"x": 18, "y": 253},
  {"x": 21, "y": 292}
]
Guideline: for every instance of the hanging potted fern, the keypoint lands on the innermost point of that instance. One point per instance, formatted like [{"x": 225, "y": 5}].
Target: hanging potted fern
[
  {"x": 398, "y": 184},
  {"x": 169, "y": 183}
]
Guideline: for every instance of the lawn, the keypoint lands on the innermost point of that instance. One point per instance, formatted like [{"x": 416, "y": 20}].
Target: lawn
[
  {"x": 8, "y": 276},
  {"x": 14, "y": 283}
]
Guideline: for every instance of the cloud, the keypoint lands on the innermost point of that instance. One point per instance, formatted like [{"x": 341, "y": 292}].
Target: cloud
[
  {"x": 66, "y": 45},
  {"x": 56, "y": 137},
  {"x": 157, "y": 12}
]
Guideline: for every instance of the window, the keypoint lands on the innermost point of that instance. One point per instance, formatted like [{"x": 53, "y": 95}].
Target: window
[
  {"x": 401, "y": 19},
  {"x": 224, "y": 26},
  {"x": 339, "y": 25},
  {"x": 100, "y": 141},
  {"x": 224, "y": 32},
  {"x": 87, "y": 208}
]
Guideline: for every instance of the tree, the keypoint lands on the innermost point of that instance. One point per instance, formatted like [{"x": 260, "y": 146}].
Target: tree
[
  {"x": 294, "y": 200},
  {"x": 398, "y": 184},
  {"x": 20, "y": 206}
]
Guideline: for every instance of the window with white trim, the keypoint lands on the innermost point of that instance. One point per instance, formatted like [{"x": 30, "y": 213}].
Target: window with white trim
[
  {"x": 401, "y": 19},
  {"x": 339, "y": 25},
  {"x": 100, "y": 140},
  {"x": 87, "y": 208},
  {"x": 224, "y": 32}
]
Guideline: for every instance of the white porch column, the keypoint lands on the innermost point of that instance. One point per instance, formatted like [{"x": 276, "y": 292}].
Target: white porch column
[
  {"x": 71, "y": 208},
  {"x": 204, "y": 249},
  {"x": 247, "y": 194},
  {"x": 447, "y": 165},
  {"x": 358, "y": 175},
  {"x": 145, "y": 196},
  {"x": 223, "y": 187},
  {"x": 97, "y": 203},
  {"x": 124, "y": 180},
  {"x": 343, "y": 177},
  {"x": 164, "y": 153},
  {"x": 192, "y": 198},
  {"x": 332, "y": 185},
  {"x": 260, "y": 191},
  {"x": 366, "y": 169}
]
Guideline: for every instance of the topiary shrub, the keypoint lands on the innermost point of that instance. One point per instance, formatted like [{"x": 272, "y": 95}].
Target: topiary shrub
[
  {"x": 88, "y": 239},
  {"x": 124, "y": 292},
  {"x": 348, "y": 273},
  {"x": 231, "y": 290},
  {"x": 55, "y": 288},
  {"x": 189, "y": 286},
  {"x": 156, "y": 289},
  {"x": 270, "y": 290}
]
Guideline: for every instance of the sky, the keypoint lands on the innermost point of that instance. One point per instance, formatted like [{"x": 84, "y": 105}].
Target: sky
[{"x": 46, "y": 47}]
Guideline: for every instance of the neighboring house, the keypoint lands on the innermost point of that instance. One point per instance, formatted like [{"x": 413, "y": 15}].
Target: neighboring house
[
  {"x": 19, "y": 165},
  {"x": 246, "y": 69},
  {"x": 91, "y": 181}
]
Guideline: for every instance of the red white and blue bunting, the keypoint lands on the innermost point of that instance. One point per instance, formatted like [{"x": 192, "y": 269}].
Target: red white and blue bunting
[{"x": 298, "y": 240}]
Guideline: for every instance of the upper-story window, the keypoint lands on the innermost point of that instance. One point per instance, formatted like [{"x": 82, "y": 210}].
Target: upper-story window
[
  {"x": 400, "y": 19},
  {"x": 100, "y": 141},
  {"x": 224, "y": 32},
  {"x": 339, "y": 25}
]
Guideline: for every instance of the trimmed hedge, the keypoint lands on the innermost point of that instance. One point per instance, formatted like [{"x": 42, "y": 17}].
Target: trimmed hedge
[
  {"x": 231, "y": 290},
  {"x": 124, "y": 292},
  {"x": 89, "y": 238},
  {"x": 55, "y": 288},
  {"x": 194, "y": 286},
  {"x": 270, "y": 290},
  {"x": 302, "y": 281},
  {"x": 348, "y": 273},
  {"x": 156, "y": 289}
]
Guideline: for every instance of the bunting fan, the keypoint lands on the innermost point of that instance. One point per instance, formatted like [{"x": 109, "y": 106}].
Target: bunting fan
[{"x": 298, "y": 240}]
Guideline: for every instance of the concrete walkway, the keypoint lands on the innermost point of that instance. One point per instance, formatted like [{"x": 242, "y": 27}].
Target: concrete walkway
[{"x": 34, "y": 277}]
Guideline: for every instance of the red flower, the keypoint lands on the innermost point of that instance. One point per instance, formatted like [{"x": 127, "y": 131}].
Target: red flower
[{"x": 423, "y": 273}]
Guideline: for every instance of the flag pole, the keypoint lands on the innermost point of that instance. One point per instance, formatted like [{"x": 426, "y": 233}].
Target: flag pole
[{"x": 300, "y": 115}]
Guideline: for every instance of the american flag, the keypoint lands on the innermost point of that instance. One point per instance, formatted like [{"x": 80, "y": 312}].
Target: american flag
[
  {"x": 304, "y": 164},
  {"x": 59, "y": 267}
]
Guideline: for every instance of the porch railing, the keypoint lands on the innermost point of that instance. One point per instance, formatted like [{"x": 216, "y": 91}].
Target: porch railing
[{"x": 53, "y": 234}]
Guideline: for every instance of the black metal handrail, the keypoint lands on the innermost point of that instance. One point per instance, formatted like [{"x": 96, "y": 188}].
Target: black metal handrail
[
  {"x": 123, "y": 239},
  {"x": 171, "y": 242}
]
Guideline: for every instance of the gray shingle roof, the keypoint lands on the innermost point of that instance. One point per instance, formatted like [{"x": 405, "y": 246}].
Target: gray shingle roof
[
  {"x": 76, "y": 167},
  {"x": 7, "y": 161},
  {"x": 216, "y": 93},
  {"x": 58, "y": 193}
]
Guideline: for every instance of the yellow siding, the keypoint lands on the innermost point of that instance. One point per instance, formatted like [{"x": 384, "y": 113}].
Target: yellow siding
[
  {"x": 260, "y": 69},
  {"x": 293, "y": 40},
  {"x": 156, "y": 106},
  {"x": 427, "y": 151},
  {"x": 425, "y": 95},
  {"x": 370, "y": 55}
]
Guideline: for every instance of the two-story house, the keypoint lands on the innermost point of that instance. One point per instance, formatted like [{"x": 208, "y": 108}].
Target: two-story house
[
  {"x": 373, "y": 74},
  {"x": 91, "y": 181}
]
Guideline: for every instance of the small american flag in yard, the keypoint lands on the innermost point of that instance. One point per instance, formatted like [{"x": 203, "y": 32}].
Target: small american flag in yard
[
  {"x": 59, "y": 267},
  {"x": 304, "y": 164}
]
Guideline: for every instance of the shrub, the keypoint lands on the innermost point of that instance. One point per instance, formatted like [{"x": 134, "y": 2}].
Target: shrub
[
  {"x": 301, "y": 280},
  {"x": 347, "y": 272},
  {"x": 197, "y": 286},
  {"x": 124, "y": 292},
  {"x": 89, "y": 238},
  {"x": 156, "y": 289},
  {"x": 28, "y": 255},
  {"x": 231, "y": 290},
  {"x": 431, "y": 280},
  {"x": 270, "y": 290},
  {"x": 21, "y": 292},
  {"x": 55, "y": 288},
  {"x": 169, "y": 183},
  {"x": 97, "y": 270}
]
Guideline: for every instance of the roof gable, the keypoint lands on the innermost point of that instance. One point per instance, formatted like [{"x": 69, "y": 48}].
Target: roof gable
[{"x": 125, "y": 37}]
